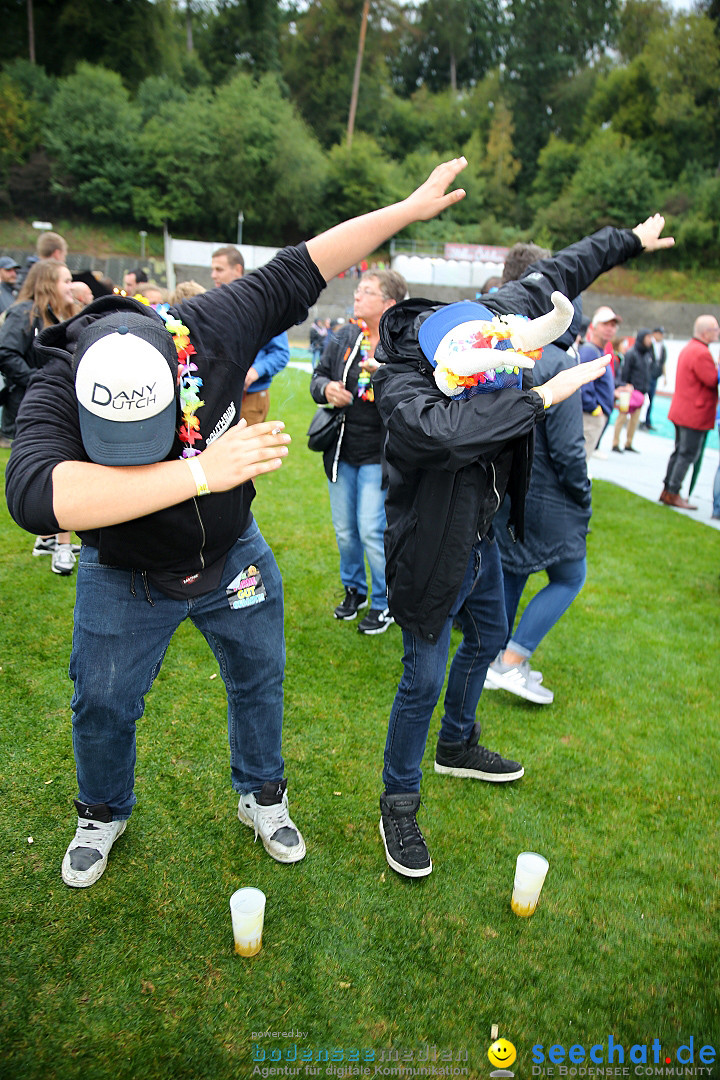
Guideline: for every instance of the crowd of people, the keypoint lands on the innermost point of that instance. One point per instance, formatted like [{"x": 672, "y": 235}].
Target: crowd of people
[{"x": 454, "y": 483}]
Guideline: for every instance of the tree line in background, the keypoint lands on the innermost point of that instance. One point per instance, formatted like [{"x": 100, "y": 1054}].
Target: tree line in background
[{"x": 573, "y": 114}]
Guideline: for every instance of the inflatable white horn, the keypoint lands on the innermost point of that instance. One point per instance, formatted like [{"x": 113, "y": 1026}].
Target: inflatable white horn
[{"x": 545, "y": 329}]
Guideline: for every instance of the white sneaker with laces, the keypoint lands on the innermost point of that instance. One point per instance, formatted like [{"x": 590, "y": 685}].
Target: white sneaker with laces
[
  {"x": 267, "y": 813},
  {"x": 535, "y": 675},
  {"x": 518, "y": 679},
  {"x": 86, "y": 858},
  {"x": 63, "y": 560}
]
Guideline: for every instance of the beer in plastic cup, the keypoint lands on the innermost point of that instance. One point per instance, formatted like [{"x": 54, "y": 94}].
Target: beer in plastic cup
[
  {"x": 247, "y": 909},
  {"x": 624, "y": 400},
  {"x": 530, "y": 871}
]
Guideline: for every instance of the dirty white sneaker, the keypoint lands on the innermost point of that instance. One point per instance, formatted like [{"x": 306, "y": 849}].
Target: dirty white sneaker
[
  {"x": 63, "y": 560},
  {"x": 86, "y": 858},
  {"x": 267, "y": 812}
]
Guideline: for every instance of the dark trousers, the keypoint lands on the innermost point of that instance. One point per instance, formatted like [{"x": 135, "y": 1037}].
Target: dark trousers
[
  {"x": 13, "y": 401},
  {"x": 688, "y": 445},
  {"x": 651, "y": 394}
]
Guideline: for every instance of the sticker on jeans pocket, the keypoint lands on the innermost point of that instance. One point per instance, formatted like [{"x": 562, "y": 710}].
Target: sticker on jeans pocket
[{"x": 246, "y": 589}]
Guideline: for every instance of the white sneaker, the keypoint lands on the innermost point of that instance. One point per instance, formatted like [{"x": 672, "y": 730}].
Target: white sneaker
[
  {"x": 517, "y": 679},
  {"x": 44, "y": 545},
  {"x": 267, "y": 812},
  {"x": 63, "y": 560},
  {"x": 86, "y": 858},
  {"x": 535, "y": 676}
]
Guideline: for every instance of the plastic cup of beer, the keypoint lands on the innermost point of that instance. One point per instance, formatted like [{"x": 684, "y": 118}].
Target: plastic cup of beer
[
  {"x": 624, "y": 400},
  {"x": 247, "y": 909},
  {"x": 530, "y": 871}
]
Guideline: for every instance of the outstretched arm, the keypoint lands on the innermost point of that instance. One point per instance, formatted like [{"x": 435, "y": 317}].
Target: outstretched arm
[
  {"x": 89, "y": 496},
  {"x": 346, "y": 244}
]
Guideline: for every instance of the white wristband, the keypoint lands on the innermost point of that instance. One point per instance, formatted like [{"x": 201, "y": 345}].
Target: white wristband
[
  {"x": 198, "y": 474},
  {"x": 547, "y": 397}
]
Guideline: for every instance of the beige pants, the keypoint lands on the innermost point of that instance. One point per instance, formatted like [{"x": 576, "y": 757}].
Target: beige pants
[
  {"x": 592, "y": 430},
  {"x": 255, "y": 407},
  {"x": 632, "y": 419}
]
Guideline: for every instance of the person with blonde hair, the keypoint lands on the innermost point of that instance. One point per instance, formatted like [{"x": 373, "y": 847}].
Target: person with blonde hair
[
  {"x": 185, "y": 289},
  {"x": 45, "y": 298}
]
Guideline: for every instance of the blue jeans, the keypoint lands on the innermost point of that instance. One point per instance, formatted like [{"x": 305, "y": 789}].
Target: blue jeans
[
  {"x": 480, "y": 609},
  {"x": 565, "y": 580},
  {"x": 357, "y": 503},
  {"x": 119, "y": 642}
]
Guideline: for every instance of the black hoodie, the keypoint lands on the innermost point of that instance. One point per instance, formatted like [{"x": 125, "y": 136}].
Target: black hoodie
[
  {"x": 637, "y": 363},
  {"x": 227, "y": 327},
  {"x": 451, "y": 462}
]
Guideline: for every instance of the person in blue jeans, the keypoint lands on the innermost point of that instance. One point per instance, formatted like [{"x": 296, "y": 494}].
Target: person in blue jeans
[
  {"x": 132, "y": 435},
  {"x": 453, "y": 451},
  {"x": 353, "y": 464}
]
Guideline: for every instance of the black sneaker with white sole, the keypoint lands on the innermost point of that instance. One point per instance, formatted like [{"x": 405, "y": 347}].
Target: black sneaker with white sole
[
  {"x": 405, "y": 847},
  {"x": 86, "y": 858},
  {"x": 350, "y": 606},
  {"x": 472, "y": 761},
  {"x": 376, "y": 621}
]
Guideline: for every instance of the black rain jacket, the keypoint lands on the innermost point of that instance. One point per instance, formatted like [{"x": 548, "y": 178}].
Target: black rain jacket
[{"x": 451, "y": 462}]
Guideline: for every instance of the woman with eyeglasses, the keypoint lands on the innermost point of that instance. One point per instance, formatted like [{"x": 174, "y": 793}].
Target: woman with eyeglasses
[{"x": 353, "y": 464}]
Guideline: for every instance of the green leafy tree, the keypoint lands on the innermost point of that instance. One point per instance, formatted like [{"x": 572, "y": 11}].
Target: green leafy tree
[
  {"x": 549, "y": 41},
  {"x": 135, "y": 37},
  {"x": 158, "y": 91},
  {"x": 666, "y": 99},
  {"x": 500, "y": 166},
  {"x": 359, "y": 179},
  {"x": 450, "y": 44},
  {"x": 318, "y": 51},
  {"x": 91, "y": 131},
  {"x": 556, "y": 167},
  {"x": 614, "y": 184},
  {"x": 22, "y": 108},
  {"x": 179, "y": 151},
  {"x": 239, "y": 35},
  {"x": 268, "y": 163},
  {"x": 638, "y": 21}
]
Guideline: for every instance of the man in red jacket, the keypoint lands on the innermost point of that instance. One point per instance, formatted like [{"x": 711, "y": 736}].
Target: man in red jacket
[{"x": 693, "y": 406}]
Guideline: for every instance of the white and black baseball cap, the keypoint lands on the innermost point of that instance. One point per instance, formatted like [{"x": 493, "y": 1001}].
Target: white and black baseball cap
[{"x": 125, "y": 369}]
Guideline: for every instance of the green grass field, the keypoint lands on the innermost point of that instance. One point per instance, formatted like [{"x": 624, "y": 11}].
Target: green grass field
[{"x": 137, "y": 978}]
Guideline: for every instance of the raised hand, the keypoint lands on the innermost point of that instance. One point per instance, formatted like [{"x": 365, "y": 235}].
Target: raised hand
[
  {"x": 430, "y": 199},
  {"x": 648, "y": 233}
]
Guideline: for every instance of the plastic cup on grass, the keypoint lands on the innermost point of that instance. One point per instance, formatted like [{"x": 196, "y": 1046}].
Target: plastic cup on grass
[
  {"x": 530, "y": 871},
  {"x": 247, "y": 909}
]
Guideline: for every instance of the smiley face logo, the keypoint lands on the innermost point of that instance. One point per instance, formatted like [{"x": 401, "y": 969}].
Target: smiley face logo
[{"x": 502, "y": 1053}]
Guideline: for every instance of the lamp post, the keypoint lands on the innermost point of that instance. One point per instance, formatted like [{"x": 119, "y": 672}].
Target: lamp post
[
  {"x": 241, "y": 218},
  {"x": 143, "y": 237}
]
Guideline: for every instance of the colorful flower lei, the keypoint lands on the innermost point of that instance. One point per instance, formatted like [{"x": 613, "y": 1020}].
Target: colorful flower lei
[
  {"x": 189, "y": 384},
  {"x": 364, "y": 388}
]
